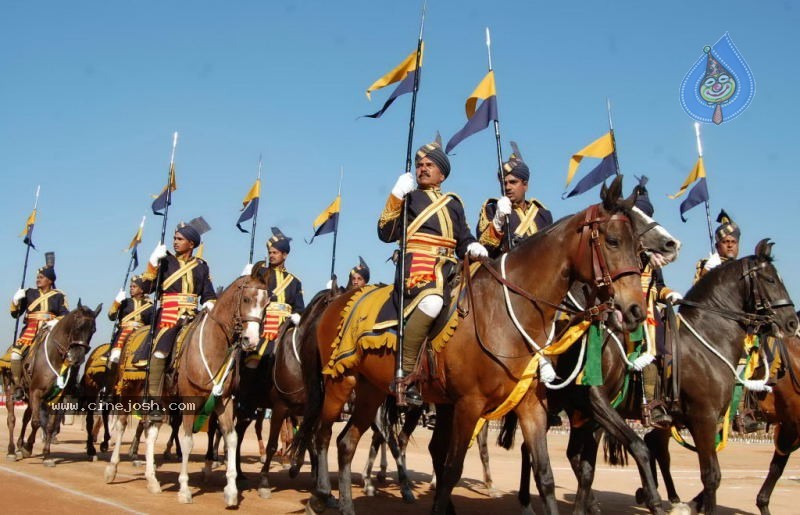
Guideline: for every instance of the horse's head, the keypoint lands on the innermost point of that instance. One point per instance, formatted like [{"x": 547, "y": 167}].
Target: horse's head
[
  {"x": 249, "y": 297},
  {"x": 607, "y": 257},
  {"x": 660, "y": 246},
  {"x": 765, "y": 293},
  {"x": 79, "y": 326}
]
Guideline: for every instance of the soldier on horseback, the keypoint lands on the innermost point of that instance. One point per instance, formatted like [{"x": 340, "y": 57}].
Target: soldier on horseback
[
  {"x": 132, "y": 313},
  {"x": 525, "y": 217},
  {"x": 41, "y": 305},
  {"x": 437, "y": 231},
  {"x": 651, "y": 333},
  {"x": 726, "y": 243},
  {"x": 359, "y": 275},
  {"x": 186, "y": 281}
]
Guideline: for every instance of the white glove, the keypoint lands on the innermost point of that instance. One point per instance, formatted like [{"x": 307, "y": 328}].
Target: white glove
[
  {"x": 120, "y": 297},
  {"x": 657, "y": 260},
  {"x": 673, "y": 297},
  {"x": 295, "y": 318},
  {"x": 208, "y": 305},
  {"x": 503, "y": 210},
  {"x": 546, "y": 372},
  {"x": 159, "y": 253},
  {"x": 18, "y": 296},
  {"x": 403, "y": 186},
  {"x": 248, "y": 269},
  {"x": 712, "y": 261},
  {"x": 476, "y": 250},
  {"x": 329, "y": 284},
  {"x": 642, "y": 361}
]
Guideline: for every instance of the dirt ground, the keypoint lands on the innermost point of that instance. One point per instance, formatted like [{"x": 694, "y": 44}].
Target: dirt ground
[{"x": 77, "y": 484}]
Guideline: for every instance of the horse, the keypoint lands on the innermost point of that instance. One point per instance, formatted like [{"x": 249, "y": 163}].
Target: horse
[
  {"x": 204, "y": 379},
  {"x": 589, "y": 407},
  {"x": 782, "y": 408},
  {"x": 94, "y": 383},
  {"x": 596, "y": 246},
  {"x": 737, "y": 298},
  {"x": 50, "y": 368}
]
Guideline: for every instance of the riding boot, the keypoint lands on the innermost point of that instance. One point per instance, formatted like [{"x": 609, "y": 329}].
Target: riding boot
[
  {"x": 16, "y": 377},
  {"x": 417, "y": 328},
  {"x": 155, "y": 379},
  {"x": 655, "y": 410}
]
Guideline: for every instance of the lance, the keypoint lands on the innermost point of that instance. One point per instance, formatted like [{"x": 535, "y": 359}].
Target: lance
[
  {"x": 336, "y": 225},
  {"x": 255, "y": 215},
  {"x": 506, "y": 222},
  {"x": 708, "y": 205},
  {"x": 613, "y": 138},
  {"x": 401, "y": 321},
  {"x": 27, "y": 255},
  {"x": 127, "y": 275},
  {"x": 154, "y": 323}
]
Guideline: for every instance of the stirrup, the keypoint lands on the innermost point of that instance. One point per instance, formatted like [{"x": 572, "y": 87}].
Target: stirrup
[
  {"x": 406, "y": 392},
  {"x": 657, "y": 416}
]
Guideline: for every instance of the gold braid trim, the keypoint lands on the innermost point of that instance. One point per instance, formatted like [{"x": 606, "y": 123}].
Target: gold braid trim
[{"x": 391, "y": 211}]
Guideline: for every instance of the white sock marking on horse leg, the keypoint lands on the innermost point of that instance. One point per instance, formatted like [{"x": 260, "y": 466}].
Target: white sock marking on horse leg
[
  {"x": 187, "y": 442},
  {"x": 111, "y": 469},
  {"x": 231, "y": 493},
  {"x": 150, "y": 460}
]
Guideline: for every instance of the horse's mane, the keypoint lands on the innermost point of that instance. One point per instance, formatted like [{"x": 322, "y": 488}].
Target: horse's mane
[{"x": 709, "y": 283}]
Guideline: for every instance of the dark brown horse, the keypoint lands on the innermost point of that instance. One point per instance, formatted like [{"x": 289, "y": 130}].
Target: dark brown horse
[
  {"x": 94, "y": 386},
  {"x": 782, "y": 408},
  {"x": 206, "y": 371},
  {"x": 736, "y": 298},
  {"x": 49, "y": 369},
  {"x": 596, "y": 246}
]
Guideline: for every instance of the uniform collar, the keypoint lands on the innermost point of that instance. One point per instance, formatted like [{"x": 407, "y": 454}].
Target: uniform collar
[{"x": 279, "y": 268}]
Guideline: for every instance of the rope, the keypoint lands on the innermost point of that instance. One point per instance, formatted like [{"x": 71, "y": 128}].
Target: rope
[
  {"x": 216, "y": 386},
  {"x": 755, "y": 385},
  {"x": 294, "y": 345},
  {"x": 61, "y": 381}
]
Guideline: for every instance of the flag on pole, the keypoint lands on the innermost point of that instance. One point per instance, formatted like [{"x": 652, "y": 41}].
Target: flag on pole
[
  {"x": 134, "y": 245},
  {"x": 697, "y": 195},
  {"x": 328, "y": 220},
  {"x": 478, "y": 118},
  {"x": 405, "y": 73},
  {"x": 601, "y": 148},
  {"x": 28, "y": 231},
  {"x": 161, "y": 201},
  {"x": 249, "y": 205},
  {"x": 698, "y": 172}
]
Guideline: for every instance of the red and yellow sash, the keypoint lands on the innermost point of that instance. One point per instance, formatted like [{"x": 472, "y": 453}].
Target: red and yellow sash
[
  {"x": 32, "y": 323},
  {"x": 276, "y": 312},
  {"x": 173, "y": 305}
]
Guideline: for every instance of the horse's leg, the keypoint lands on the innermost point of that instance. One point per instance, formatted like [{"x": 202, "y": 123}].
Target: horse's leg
[
  {"x": 657, "y": 442},
  {"x": 50, "y": 428},
  {"x": 704, "y": 429},
  {"x": 153, "y": 485},
  {"x": 375, "y": 444},
  {"x": 241, "y": 427},
  {"x": 35, "y": 403},
  {"x": 11, "y": 418},
  {"x": 465, "y": 417},
  {"x": 26, "y": 418},
  {"x": 259, "y": 428},
  {"x": 211, "y": 450},
  {"x": 399, "y": 454},
  {"x": 438, "y": 444},
  {"x": 90, "y": 450},
  {"x": 225, "y": 420},
  {"x": 279, "y": 414},
  {"x": 787, "y": 435},
  {"x": 186, "y": 442},
  {"x": 524, "y": 495},
  {"x": 533, "y": 422},
  {"x": 111, "y": 469},
  {"x": 483, "y": 449},
  {"x": 618, "y": 429},
  {"x": 581, "y": 444},
  {"x": 368, "y": 400},
  {"x": 106, "y": 432},
  {"x": 133, "y": 452},
  {"x": 336, "y": 394}
]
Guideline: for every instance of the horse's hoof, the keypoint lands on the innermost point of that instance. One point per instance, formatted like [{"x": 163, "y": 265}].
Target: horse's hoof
[
  {"x": 675, "y": 500},
  {"x": 138, "y": 463},
  {"x": 110, "y": 473},
  {"x": 369, "y": 490},
  {"x": 494, "y": 493},
  {"x": 103, "y": 447},
  {"x": 640, "y": 496},
  {"x": 294, "y": 470},
  {"x": 154, "y": 488},
  {"x": 265, "y": 493},
  {"x": 332, "y": 502},
  {"x": 231, "y": 498},
  {"x": 49, "y": 462},
  {"x": 527, "y": 510},
  {"x": 11, "y": 457},
  {"x": 93, "y": 458},
  {"x": 216, "y": 464},
  {"x": 263, "y": 458},
  {"x": 381, "y": 476},
  {"x": 408, "y": 496},
  {"x": 26, "y": 453},
  {"x": 681, "y": 509},
  {"x": 185, "y": 497}
]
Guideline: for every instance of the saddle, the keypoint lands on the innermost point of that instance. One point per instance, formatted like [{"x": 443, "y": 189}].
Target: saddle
[{"x": 96, "y": 365}]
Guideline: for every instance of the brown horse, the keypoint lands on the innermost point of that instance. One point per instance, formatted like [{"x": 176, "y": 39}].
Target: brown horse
[
  {"x": 94, "y": 385},
  {"x": 596, "y": 246},
  {"x": 782, "y": 408},
  {"x": 205, "y": 374},
  {"x": 49, "y": 368}
]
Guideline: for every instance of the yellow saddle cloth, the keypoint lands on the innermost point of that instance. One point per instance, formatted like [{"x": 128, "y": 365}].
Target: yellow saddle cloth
[
  {"x": 96, "y": 365},
  {"x": 360, "y": 328}
]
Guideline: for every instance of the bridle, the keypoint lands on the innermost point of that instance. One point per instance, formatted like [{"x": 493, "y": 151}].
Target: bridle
[
  {"x": 239, "y": 320},
  {"x": 759, "y": 309}
]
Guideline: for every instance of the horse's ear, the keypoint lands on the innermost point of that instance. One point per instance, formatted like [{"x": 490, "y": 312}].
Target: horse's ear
[
  {"x": 612, "y": 194},
  {"x": 254, "y": 273},
  {"x": 98, "y": 310},
  {"x": 764, "y": 248},
  {"x": 79, "y": 303}
]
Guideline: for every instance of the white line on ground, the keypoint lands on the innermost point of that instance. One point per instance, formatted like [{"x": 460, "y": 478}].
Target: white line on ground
[{"x": 94, "y": 498}]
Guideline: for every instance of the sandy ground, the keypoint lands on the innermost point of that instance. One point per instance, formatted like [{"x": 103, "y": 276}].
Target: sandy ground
[{"x": 77, "y": 484}]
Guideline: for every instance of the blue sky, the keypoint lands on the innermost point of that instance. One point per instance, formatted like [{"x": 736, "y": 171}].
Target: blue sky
[{"x": 92, "y": 91}]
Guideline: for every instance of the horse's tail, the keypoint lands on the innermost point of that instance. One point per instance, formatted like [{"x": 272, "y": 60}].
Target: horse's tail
[
  {"x": 614, "y": 452},
  {"x": 506, "y": 437},
  {"x": 314, "y": 386}
]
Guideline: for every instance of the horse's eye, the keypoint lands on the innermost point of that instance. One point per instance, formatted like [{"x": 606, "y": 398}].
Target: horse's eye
[
  {"x": 612, "y": 242},
  {"x": 246, "y": 300}
]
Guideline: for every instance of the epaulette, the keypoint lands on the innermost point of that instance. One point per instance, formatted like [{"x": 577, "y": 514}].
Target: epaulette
[
  {"x": 455, "y": 196},
  {"x": 538, "y": 203}
]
